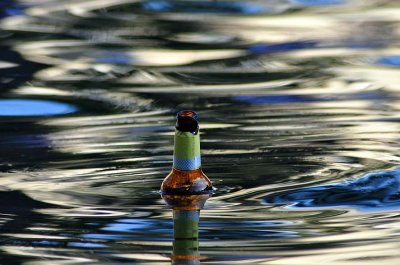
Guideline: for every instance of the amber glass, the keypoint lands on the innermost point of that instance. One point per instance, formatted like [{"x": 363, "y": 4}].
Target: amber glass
[
  {"x": 180, "y": 182},
  {"x": 186, "y": 190}
]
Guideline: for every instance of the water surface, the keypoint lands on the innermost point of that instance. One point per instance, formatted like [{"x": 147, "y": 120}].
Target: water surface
[{"x": 299, "y": 109}]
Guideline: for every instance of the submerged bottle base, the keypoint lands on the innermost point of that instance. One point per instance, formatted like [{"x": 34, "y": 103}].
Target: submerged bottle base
[
  {"x": 186, "y": 190},
  {"x": 186, "y": 202}
]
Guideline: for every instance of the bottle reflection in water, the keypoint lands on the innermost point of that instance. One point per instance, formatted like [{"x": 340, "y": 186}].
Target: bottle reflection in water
[
  {"x": 186, "y": 189},
  {"x": 186, "y": 243}
]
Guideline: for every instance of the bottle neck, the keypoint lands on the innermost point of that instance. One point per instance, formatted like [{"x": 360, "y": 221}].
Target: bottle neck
[{"x": 187, "y": 151}]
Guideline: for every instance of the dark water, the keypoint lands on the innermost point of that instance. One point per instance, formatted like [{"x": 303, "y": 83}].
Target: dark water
[{"x": 299, "y": 105}]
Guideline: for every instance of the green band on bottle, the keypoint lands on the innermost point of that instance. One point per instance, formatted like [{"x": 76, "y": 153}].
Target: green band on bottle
[{"x": 187, "y": 145}]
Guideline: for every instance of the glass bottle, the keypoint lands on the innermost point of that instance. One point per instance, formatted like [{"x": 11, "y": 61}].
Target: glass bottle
[
  {"x": 186, "y": 176},
  {"x": 186, "y": 189}
]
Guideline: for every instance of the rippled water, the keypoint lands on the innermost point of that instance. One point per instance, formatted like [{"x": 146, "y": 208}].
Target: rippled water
[{"x": 299, "y": 108}]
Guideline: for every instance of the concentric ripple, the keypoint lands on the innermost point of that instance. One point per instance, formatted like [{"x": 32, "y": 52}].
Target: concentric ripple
[
  {"x": 374, "y": 191},
  {"x": 298, "y": 103}
]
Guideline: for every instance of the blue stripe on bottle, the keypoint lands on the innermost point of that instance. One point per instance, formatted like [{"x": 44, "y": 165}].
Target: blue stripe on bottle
[{"x": 187, "y": 164}]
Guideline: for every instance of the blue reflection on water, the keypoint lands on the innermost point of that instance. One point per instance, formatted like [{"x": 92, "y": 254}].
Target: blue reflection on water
[
  {"x": 204, "y": 6},
  {"x": 389, "y": 60},
  {"x": 275, "y": 99},
  {"x": 240, "y": 224},
  {"x": 317, "y": 2},
  {"x": 126, "y": 225},
  {"x": 114, "y": 58},
  {"x": 133, "y": 229},
  {"x": 34, "y": 107},
  {"x": 86, "y": 245},
  {"x": 16, "y": 11},
  {"x": 373, "y": 191},
  {"x": 46, "y": 243},
  {"x": 281, "y": 47},
  {"x": 284, "y": 99},
  {"x": 9, "y": 8},
  {"x": 106, "y": 236}
]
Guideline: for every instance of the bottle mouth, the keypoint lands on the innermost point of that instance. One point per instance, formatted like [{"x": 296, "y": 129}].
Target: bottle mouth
[{"x": 186, "y": 121}]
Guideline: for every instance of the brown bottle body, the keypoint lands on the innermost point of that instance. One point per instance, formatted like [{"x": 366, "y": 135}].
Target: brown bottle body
[
  {"x": 180, "y": 182},
  {"x": 186, "y": 190}
]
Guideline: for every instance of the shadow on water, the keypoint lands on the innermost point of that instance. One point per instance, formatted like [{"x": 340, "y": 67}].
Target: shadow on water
[
  {"x": 17, "y": 214},
  {"x": 14, "y": 69},
  {"x": 20, "y": 209}
]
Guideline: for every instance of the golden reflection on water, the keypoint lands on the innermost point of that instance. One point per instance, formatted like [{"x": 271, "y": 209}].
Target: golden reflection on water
[{"x": 291, "y": 97}]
